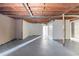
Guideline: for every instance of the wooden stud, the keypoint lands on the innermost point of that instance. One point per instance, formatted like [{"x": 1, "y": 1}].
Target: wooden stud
[{"x": 64, "y": 25}]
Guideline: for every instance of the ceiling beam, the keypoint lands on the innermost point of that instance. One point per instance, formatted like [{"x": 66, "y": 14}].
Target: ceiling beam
[
  {"x": 67, "y": 11},
  {"x": 73, "y": 7},
  {"x": 53, "y": 17},
  {"x": 72, "y": 16},
  {"x": 26, "y": 6},
  {"x": 74, "y": 19},
  {"x": 28, "y": 16}
]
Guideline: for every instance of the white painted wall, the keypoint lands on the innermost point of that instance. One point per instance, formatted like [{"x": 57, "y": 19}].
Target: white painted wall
[
  {"x": 57, "y": 29},
  {"x": 76, "y": 29},
  {"x": 31, "y": 29},
  {"x": 68, "y": 29},
  {"x": 50, "y": 30},
  {"x": 19, "y": 28},
  {"x": 7, "y": 29},
  {"x": 26, "y": 31},
  {"x": 58, "y": 32},
  {"x": 45, "y": 34}
]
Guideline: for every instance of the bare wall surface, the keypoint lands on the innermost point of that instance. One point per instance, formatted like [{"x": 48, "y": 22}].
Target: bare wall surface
[
  {"x": 58, "y": 30},
  {"x": 31, "y": 29},
  {"x": 50, "y": 30},
  {"x": 76, "y": 30},
  {"x": 19, "y": 28},
  {"x": 7, "y": 29}
]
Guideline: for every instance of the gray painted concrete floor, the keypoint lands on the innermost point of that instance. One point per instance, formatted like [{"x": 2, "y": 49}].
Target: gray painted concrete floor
[
  {"x": 43, "y": 47},
  {"x": 71, "y": 45},
  {"x": 14, "y": 43}
]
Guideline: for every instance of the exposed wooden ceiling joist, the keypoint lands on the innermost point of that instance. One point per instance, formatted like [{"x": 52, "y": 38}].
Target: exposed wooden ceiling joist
[
  {"x": 73, "y": 7},
  {"x": 26, "y": 6},
  {"x": 40, "y": 11}
]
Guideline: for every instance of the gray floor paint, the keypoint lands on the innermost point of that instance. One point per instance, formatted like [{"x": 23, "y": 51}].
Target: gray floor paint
[
  {"x": 42, "y": 47},
  {"x": 14, "y": 43},
  {"x": 71, "y": 45}
]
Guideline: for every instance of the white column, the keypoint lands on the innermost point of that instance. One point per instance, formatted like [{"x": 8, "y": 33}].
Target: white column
[
  {"x": 45, "y": 31},
  {"x": 19, "y": 28},
  {"x": 50, "y": 30}
]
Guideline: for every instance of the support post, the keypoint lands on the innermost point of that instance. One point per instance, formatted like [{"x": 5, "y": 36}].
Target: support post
[
  {"x": 45, "y": 32},
  {"x": 64, "y": 27}
]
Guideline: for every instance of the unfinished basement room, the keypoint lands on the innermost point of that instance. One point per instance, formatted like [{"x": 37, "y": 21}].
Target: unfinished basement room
[{"x": 39, "y": 29}]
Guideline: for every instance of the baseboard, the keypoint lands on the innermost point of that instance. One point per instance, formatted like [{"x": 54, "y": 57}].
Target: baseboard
[
  {"x": 9, "y": 41},
  {"x": 14, "y": 39}
]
